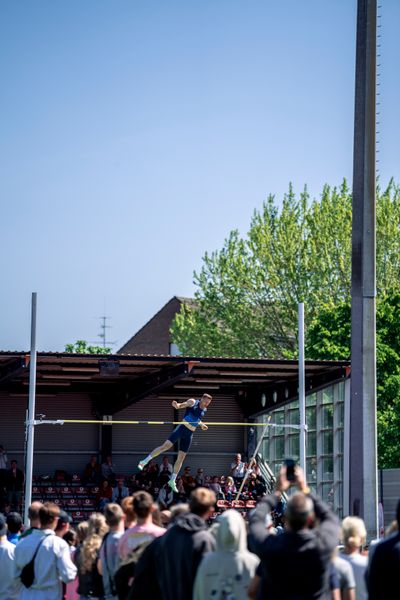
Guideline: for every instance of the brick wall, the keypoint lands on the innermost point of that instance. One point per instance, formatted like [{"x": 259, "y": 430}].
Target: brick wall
[{"x": 154, "y": 337}]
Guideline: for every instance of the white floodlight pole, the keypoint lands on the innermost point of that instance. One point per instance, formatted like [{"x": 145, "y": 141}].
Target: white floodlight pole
[
  {"x": 30, "y": 426},
  {"x": 302, "y": 395}
]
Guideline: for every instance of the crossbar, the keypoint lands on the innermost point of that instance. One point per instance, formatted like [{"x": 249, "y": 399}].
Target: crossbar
[{"x": 109, "y": 422}]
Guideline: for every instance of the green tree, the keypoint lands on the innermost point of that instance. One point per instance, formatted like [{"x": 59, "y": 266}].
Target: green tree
[
  {"x": 82, "y": 347},
  {"x": 247, "y": 292},
  {"x": 329, "y": 338}
]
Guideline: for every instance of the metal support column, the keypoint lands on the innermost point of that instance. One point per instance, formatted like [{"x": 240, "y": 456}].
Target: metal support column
[
  {"x": 363, "y": 452},
  {"x": 30, "y": 427},
  {"x": 302, "y": 395}
]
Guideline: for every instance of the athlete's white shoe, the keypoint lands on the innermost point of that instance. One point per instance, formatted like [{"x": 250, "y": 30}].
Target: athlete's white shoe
[
  {"x": 141, "y": 465},
  {"x": 172, "y": 485}
]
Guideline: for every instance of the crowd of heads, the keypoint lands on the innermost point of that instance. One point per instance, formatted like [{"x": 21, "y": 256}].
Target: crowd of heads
[{"x": 153, "y": 538}]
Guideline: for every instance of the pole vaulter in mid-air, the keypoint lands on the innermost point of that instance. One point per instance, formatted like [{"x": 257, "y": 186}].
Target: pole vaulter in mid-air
[{"x": 195, "y": 411}]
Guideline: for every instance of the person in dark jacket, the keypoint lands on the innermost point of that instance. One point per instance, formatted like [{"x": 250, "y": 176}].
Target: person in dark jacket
[
  {"x": 183, "y": 546},
  {"x": 145, "y": 583},
  {"x": 383, "y": 571},
  {"x": 14, "y": 485},
  {"x": 296, "y": 563}
]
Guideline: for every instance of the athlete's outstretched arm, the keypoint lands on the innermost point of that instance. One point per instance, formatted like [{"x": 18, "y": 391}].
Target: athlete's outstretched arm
[{"x": 189, "y": 403}]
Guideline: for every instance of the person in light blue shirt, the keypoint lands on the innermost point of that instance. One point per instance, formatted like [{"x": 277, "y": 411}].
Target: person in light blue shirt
[
  {"x": 52, "y": 564},
  {"x": 9, "y": 587},
  {"x": 195, "y": 411},
  {"x": 119, "y": 492}
]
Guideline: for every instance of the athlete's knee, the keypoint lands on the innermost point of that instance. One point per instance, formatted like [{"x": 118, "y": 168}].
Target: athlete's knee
[{"x": 181, "y": 457}]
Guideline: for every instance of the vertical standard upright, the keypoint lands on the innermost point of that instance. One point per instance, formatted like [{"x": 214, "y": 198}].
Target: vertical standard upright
[
  {"x": 30, "y": 428},
  {"x": 363, "y": 451},
  {"x": 302, "y": 395}
]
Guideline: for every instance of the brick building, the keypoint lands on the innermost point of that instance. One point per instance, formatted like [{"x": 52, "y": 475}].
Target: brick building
[{"x": 154, "y": 337}]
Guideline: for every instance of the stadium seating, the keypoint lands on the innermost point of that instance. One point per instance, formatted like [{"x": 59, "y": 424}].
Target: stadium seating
[
  {"x": 78, "y": 516},
  {"x": 251, "y": 503},
  {"x": 80, "y": 500},
  {"x": 88, "y": 504}
]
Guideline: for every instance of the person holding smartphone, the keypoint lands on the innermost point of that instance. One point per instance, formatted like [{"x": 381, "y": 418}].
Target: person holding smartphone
[{"x": 297, "y": 562}]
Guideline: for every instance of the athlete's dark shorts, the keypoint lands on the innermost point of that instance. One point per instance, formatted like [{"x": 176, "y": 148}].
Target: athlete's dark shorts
[{"x": 184, "y": 434}]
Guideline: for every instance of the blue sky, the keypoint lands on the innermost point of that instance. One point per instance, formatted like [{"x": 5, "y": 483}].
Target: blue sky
[{"x": 135, "y": 135}]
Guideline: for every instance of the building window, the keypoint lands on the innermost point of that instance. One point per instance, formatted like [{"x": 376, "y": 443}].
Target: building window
[{"x": 324, "y": 441}]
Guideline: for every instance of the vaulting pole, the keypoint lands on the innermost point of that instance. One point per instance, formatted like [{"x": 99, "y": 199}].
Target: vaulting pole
[
  {"x": 30, "y": 427},
  {"x": 250, "y": 466}
]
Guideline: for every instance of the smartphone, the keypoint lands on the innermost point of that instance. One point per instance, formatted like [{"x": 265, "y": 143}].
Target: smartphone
[{"x": 290, "y": 467}]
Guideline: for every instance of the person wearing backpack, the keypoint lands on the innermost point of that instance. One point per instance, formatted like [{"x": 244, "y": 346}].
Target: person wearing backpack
[
  {"x": 43, "y": 559},
  {"x": 135, "y": 540},
  {"x": 109, "y": 559}
]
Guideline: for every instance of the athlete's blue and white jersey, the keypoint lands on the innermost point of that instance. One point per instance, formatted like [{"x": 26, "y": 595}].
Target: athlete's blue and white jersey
[{"x": 194, "y": 414}]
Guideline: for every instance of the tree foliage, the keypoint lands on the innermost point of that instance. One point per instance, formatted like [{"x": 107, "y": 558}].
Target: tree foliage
[
  {"x": 247, "y": 292},
  {"x": 329, "y": 338},
  {"x": 82, "y": 347}
]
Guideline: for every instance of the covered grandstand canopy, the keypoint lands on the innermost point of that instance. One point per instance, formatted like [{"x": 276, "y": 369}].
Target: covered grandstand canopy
[{"x": 117, "y": 381}]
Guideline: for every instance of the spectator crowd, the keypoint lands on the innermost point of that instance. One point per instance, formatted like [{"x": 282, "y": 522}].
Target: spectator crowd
[{"x": 144, "y": 541}]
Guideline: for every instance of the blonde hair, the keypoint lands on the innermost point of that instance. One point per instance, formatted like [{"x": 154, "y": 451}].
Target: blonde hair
[
  {"x": 229, "y": 480},
  {"x": 354, "y": 533},
  {"x": 81, "y": 531},
  {"x": 201, "y": 501},
  {"x": 97, "y": 528}
]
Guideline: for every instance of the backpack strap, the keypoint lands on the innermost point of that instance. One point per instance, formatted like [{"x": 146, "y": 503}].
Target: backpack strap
[{"x": 38, "y": 546}]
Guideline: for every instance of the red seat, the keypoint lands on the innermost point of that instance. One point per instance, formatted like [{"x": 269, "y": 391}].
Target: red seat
[
  {"x": 59, "y": 502},
  {"x": 88, "y": 503},
  {"x": 78, "y": 515},
  {"x": 223, "y": 504},
  {"x": 72, "y": 503},
  {"x": 50, "y": 492},
  {"x": 238, "y": 504},
  {"x": 94, "y": 490},
  {"x": 76, "y": 478},
  {"x": 81, "y": 491},
  {"x": 66, "y": 492},
  {"x": 251, "y": 503},
  {"x": 36, "y": 491}
]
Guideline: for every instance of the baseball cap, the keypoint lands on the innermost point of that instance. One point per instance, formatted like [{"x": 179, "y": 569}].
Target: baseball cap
[
  {"x": 3, "y": 526},
  {"x": 63, "y": 519}
]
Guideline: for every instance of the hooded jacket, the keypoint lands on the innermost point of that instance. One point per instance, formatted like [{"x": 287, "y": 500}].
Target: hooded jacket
[
  {"x": 179, "y": 554},
  {"x": 226, "y": 573}
]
